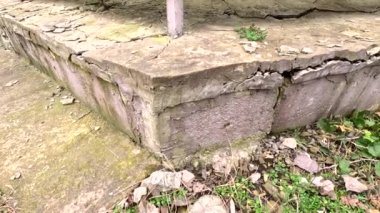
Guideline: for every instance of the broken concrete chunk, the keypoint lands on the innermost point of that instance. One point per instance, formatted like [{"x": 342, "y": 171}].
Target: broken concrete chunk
[
  {"x": 290, "y": 143},
  {"x": 138, "y": 193},
  {"x": 286, "y": 50},
  {"x": 354, "y": 185},
  {"x": 163, "y": 181},
  {"x": 209, "y": 204},
  {"x": 304, "y": 162}
]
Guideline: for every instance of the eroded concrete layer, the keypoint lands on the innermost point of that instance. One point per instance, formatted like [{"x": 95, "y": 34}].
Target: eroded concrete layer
[
  {"x": 68, "y": 157},
  {"x": 179, "y": 96}
]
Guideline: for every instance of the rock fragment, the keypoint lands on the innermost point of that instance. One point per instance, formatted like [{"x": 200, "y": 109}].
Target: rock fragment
[
  {"x": 304, "y": 162},
  {"x": 138, "y": 193},
  {"x": 254, "y": 177},
  {"x": 209, "y": 204},
  {"x": 11, "y": 83},
  {"x": 326, "y": 186},
  {"x": 67, "y": 100},
  {"x": 284, "y": 50},
  {"x": 290, "y": 143},
  {"x": 16, "y": 176},
  {"x": 163, "y": 181},
  {"x": 249, "y": 47},
  {"x": 354, "y": 185}
]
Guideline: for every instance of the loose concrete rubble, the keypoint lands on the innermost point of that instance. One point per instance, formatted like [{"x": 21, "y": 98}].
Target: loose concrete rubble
[{"x": 201, "y": 91}]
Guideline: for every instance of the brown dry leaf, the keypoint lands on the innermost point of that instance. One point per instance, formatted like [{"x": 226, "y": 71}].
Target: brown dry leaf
[
  {"x": 375, "y": 201},
  {"x": 344, "y": 128}
]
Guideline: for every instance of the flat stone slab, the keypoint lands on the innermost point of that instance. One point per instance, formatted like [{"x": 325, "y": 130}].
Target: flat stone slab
[
  {"x": 59, "y": 158},
  {"x": 202, "y": 90}
]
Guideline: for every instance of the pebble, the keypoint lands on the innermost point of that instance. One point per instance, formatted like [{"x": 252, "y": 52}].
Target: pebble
[
  {"x": 67, "y": 100},
  {"x": 138, "y": 193},
  {"x": 287, "y": 50},
  {"x": 290, "y": 143},
  {"x": 16, "y": 176},
  {"x": 255, "y": 177}
]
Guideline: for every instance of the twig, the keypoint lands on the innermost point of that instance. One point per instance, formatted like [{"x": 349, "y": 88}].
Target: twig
[{"x": 82, "y": 116}]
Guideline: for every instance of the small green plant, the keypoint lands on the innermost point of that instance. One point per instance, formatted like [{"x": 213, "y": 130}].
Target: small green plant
[
  {"x": 119, "y": 209},
  {"x": 167, "y": 199},
  {"x": 240, "y": 192},
  {"x": 364, "y": 123},
  {"x": 252, "y": 33}
]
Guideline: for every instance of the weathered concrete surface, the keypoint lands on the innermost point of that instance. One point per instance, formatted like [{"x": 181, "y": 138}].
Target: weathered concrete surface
[
  {"x": 179, "y": 96},
  {"x": 70, "y": 159}
]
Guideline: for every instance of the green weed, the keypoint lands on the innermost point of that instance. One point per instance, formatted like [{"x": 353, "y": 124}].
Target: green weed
[{"x": 252, "y": 33}]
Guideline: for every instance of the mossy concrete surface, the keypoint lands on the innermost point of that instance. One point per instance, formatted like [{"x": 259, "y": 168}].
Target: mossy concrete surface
[{"x": 69, "y": 158}]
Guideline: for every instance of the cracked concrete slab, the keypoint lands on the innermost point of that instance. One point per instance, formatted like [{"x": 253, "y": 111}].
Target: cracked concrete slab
[
  {"x": 68, "y": 157},
  {"x": 158, "y": 89}
]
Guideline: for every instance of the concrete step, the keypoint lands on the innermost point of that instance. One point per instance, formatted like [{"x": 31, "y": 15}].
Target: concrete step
[
  {"x": 59, "y": 158},
  {"x": 202, "y": 90}
]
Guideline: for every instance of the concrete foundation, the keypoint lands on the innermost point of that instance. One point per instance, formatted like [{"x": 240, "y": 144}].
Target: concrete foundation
[{"x": 180, "y": 96}]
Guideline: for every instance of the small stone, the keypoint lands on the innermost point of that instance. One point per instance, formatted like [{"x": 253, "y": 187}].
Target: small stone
[
  {"x": 209, "y": 204},
  {"x": 307, "y": 50},
  {"x": 252, "y": 167},
  {"x": 354, "y": 185},
  {"x": 255, "y": 177},
  {"x": 138, "y": 193},
  {"x": 326, "y": 186},
  {"x": 286, "y": 50},
  {"x": 304, "y": 162},
  {"x": 67, "y": 100},
  {"x": 11, "y": 83},
  {"x": 97, "y": 128},
  {"x": 16, "y": 176},
  {"x": 290, "y": 143},
  {"x": 187, "y": 177},
  {"x": 163, "y": 181},
  {"x": 249, "y": 47}
]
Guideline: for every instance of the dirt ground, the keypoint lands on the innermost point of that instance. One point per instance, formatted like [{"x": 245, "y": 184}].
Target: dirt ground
[{"x": 55, "y": 157}]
